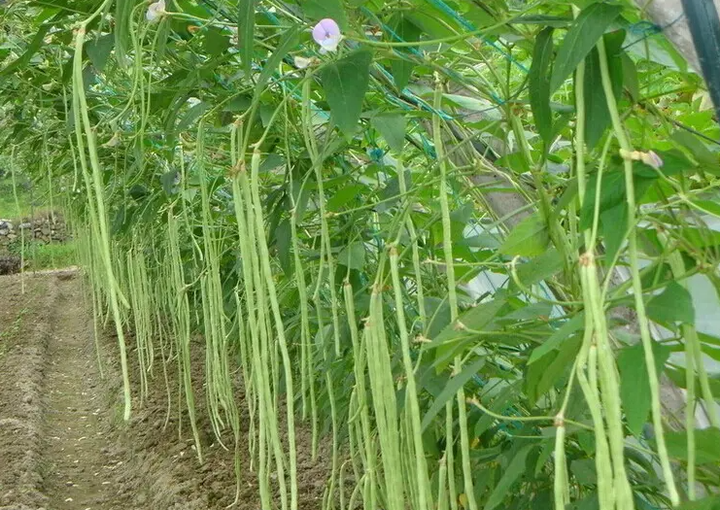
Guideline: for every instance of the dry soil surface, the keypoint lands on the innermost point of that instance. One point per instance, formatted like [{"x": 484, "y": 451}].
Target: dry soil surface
[{"x": 63, "y": 444}]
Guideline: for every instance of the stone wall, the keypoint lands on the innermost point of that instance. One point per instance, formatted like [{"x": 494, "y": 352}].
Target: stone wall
[{"x": 43, "y": 229}]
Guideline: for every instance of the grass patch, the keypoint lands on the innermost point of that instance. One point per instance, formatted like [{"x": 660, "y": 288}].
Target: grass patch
[
  {"x": 33, "y": 201},
  {"x": 51, "y": 256}
]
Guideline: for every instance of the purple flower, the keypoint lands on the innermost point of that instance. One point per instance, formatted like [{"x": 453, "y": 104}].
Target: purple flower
[{"x": 327, "y": 34}]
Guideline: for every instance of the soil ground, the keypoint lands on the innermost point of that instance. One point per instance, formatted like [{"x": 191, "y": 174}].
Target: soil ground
[{"x": 63, "y": 444}]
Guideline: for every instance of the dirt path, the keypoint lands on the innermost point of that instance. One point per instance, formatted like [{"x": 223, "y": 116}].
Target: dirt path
[
  {"x": 63, "y": 444},
  {"x": 53, "y": 415},
  {"x": 77, "y": 449}
]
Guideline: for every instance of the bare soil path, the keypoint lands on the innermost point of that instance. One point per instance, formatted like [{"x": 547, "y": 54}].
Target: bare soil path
[
  {"x": 77, "y": 449},
  {"x": 53, "y": 406},
  {"x": 63, "y": 444}
]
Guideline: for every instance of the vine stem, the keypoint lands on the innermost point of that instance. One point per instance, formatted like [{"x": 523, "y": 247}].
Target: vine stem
[{"x": 637, "y": 283}]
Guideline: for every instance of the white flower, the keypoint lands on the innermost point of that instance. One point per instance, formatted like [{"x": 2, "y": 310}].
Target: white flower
[
  {"x": 155, "y": 11},
  {"x": 302, "y": 62}
]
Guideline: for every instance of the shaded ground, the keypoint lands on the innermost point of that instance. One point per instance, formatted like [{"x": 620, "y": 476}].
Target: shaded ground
[{"x": 63, "y": 444}]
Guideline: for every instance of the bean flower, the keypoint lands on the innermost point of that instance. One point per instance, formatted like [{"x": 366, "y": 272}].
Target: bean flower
[
  {"x": 650, "y": 158},
  {"x": 327, "y": 34},
  {"x": 155, "y": 11},
  {"x": 303, "y": 62}
]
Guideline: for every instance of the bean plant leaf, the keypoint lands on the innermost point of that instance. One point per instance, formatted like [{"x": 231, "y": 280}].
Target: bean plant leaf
[
  {"x": 539, "y": 83},
  {"x": 698, "y": 149},
  {"x": 454, "y": 336},
  {"x": 511, "y": 474},
  {"x": 353, "y": 256},
  {"x": 528, "y": 239},
  {"x": 555, "y": 340},
  {"x": 392, "y": 128},
  {"x": 630, "y": 76},
  {"x": 544, "y": 379},
  {"x": 707, "y": 206},
  {"x": 99, "y": 51},
  {"x": 246, "y": 32},
  {"x": 283, "y": 237},
  {"x": 707, "y": 445},
  {"x": 539, "y": 268},
  {"x": 589, "y": 26},
  {"x": 288, "y": 42},
  {"x": 30, "y": 51},
  {"x": 708, "y": 503},
  {"x": 674, "y": 304},
  {"x": 405, "y": 31},
  {"x": 345, "y": 83},
  {"x": 450, "y": 390},
  {"x": 215, "y": 42},
  {"x": 634, "y": 384},
  {"x": 614, "y": 227},
  {"x": 597, "y": 113},
  {"x": 320, "y": 9}
]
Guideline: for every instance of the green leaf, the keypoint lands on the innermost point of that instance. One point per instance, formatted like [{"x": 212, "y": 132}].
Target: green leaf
[
  {"x": 597, "y": 113},
  {"x": 674, "y": 304},
  {"x": 555, "y": 340},
  {"x": 345, "y": 83},
  {"x": 634, "y": 384},
  {"x": 613, "y": 192},
  {"x": 246, "y": 34},
  {"x": 529, "y": 238},
  {"x": 511, "y": 474},
  {"x": 589, "y": 26},
  {"x": 451, "y": 388},
  {"x": 542, "y": 19},
  {"x": 698, "y": 149},
  {"x": 539, "y": 83},
  {"x": 316, "y": 10},
  {"x": 584, "y": 471},
  {"x": 406, "y": 31},
  {"x": 215, "y": 42},
  {"x": 613, "y": 228},
  {"x": 283, "y": 237},
  {"x": 99, "y": 51},
  {"x": 287, "y": 43},
  {"x": 476, "y": 319},
  {"x": 630, "y": 75},
  {"x": 707, "y": 445},
  {"x": 345, "y": 196},
  {"x": 353, "y": 256},
  {"x": 30, "y": 51},
  {"x": 192, "y": 115},
  {"x": 707, "y": 206},
  {"x": 709, "y": 503},
  {"x": 392, "y": 128},
  {"x": 540, "y": 268},
  {"x": 559, "y": 366},
  {"x": 168, "y": 181}
]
